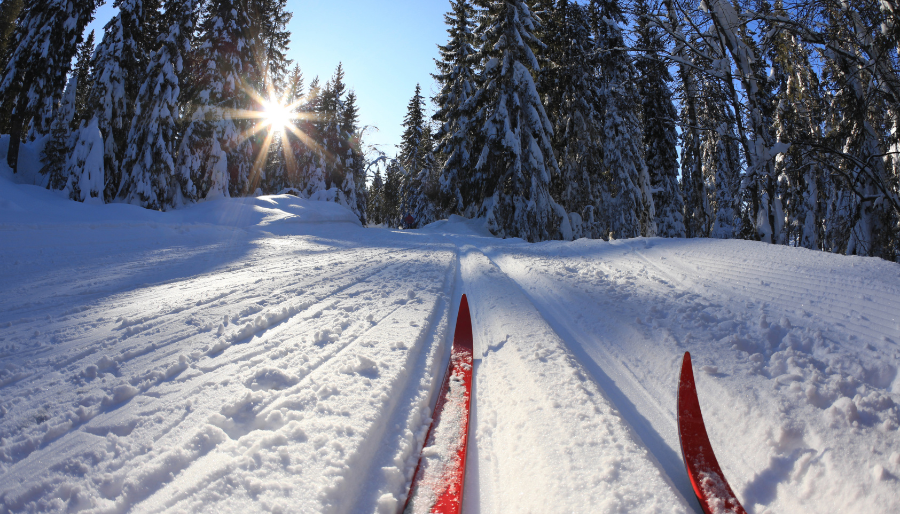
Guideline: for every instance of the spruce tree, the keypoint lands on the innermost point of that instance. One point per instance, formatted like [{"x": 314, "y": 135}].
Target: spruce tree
[
  {"x": 660, "y": 134},
  {"x": 214, "y": 152},
  {"x": 84, "y": 165},
  {"x": 413, "y": 131},
  {"x": 58, "y": 147},
  {"x": 569, "y": 85},
  {"x": 118, "y": 70},
  {"x": 392, "y": 196},
  {"x": 355, "y": 182},
  {"x": 424, "y": 188},
  {"x": 515, "y": 162},
  {"x": 455, "y": 102},
  {"x": 46, "y": 38},
  {"x": 627, "y": 203},
  {"x": 83, "y": 71},
  {"x": 375, "y": 206},
  {"x": 149, "y": 173},
  {"x": 9, "y": 13}
]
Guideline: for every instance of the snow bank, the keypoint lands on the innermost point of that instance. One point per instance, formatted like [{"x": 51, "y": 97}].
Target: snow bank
[{"x": 29, "y": 204}]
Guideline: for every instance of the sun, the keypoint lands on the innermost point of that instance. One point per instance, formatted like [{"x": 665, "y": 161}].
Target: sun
[{"x": 277, "y": 115}]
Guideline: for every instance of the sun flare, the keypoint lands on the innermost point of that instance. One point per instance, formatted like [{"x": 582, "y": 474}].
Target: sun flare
[{"x": 277, "y": 115}]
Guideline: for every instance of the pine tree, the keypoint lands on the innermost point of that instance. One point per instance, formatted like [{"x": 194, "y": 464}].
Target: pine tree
[
  {"x": 47, "y": 36},
  {"x": 516, "y": 162},
  {"x": 274, "y": 39},
  {"x": 455, "y": 101},
  {"x": 214, "y": 152},
  {"x": 9, "y": 12},
  {"x": 57, "y": 149},
  {"x": 413, "y": 131},
  {"x": 83, "y": 71},
  {"x": 293, "y": 140},
  {"x": 118, "y": 69},
  {"x": 375, "y": 206},
  {"x": 149, "y": 173},
  {"x": 84, "y": 165},
  {"x": 424, "y": 188},
  {"x": 627, "y": 203},
  {"x": 569, "y": 85},
  {"x": 355, "y": 190},
  {"x": 660, "y": 134},
  {"x": 798, "y": 122},
  {"x": 392, "y": 196}
]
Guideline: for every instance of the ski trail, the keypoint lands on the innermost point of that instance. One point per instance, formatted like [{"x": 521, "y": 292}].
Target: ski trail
[
  {"x": 531, "y": 391},
  {"x": 778, "y": 352},
  {"x": 652, "y": 423}
]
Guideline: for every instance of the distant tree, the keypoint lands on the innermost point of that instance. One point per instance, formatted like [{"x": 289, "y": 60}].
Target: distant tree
[
  {"x": 83, "y": 71},
  {"x": 424, "y": 186},
  {"x": 375, "y": 206},
  {"x": 60, "y": 144}
]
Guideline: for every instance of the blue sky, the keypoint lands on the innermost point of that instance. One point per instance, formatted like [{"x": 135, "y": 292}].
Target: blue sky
[{"x": 386, "y": 48}]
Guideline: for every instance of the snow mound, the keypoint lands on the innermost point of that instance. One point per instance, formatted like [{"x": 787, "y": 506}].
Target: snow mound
[{"x": 30, "y": 204}]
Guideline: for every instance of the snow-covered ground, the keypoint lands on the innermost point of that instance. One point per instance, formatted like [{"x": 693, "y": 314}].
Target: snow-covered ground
[{"x": 269, "y": 354}]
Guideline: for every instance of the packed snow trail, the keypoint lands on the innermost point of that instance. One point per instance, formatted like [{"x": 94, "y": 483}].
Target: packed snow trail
[{"x": 268, "y": 354}]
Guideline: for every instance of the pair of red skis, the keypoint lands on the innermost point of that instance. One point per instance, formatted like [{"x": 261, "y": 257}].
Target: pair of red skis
[{"x": 437, "y": 485}]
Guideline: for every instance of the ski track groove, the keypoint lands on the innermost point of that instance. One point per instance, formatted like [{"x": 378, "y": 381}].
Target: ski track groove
[{"x": 666, "y": 458}]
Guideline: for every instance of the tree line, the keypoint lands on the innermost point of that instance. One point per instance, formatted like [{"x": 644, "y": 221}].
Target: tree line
[
  {"x": 554, "y": 119},
  {"x": 713, "y": 118},
  {"x": 169, "y": 107}
]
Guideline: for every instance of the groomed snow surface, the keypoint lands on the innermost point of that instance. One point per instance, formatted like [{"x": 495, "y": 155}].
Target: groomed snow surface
[{"x": 269, "y": 354}]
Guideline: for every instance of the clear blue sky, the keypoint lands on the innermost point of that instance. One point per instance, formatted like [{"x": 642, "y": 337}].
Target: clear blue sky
[{"x": 386, "y": 48}]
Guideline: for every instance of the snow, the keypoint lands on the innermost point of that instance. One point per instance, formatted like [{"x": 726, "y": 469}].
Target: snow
[{"x": 269, "y": 354}]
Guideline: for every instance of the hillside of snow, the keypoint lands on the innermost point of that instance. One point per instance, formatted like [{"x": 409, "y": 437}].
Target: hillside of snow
[{"x": 270, "y": 354}]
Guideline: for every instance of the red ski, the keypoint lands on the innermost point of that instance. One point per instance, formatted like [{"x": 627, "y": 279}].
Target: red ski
[
  {"x": 437, "y": 485},
  {"x": 712, "y": 490}
]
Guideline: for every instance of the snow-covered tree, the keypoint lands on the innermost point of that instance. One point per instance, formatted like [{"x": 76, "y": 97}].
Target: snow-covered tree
[
  {"x": 86, "y": 181},
  {"x": 118, "y": 68},
  {"x": 512, "y": 174},
  {"x": 47, "y": 36},
  {"x": 375, "y": 206},
  {"x": 9, "y": 12},
  {"x": 354, "y": 184},
  {"x": 569, "y": 84},
  {"x": 424, "y": 187},
  {"x": 392, "y": 199},
  {"x": 455, "y": 101},
  {"x": 83, "y": 71},
  {"x": 214, "y": 151},
  {"x": 627, "y": 202},
  {"x": 660, "y": 134},
  {"x": 149, "y": 173},
  {"x": 58, "y": 147}
]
